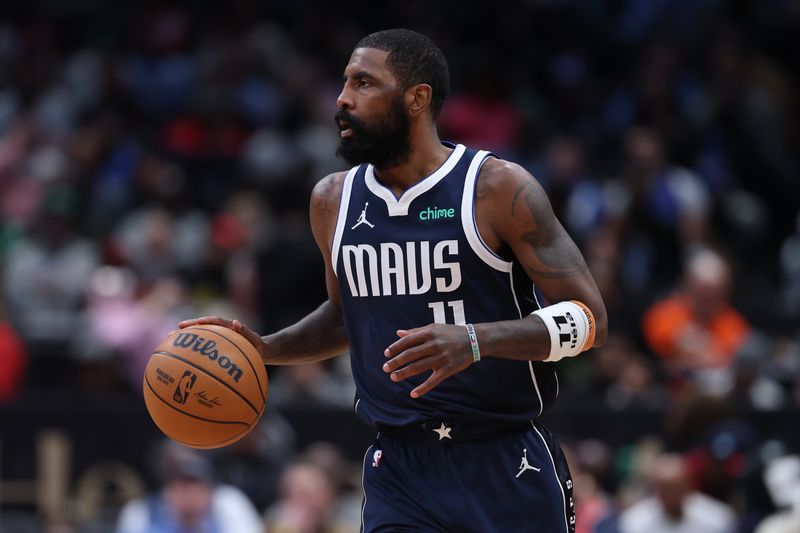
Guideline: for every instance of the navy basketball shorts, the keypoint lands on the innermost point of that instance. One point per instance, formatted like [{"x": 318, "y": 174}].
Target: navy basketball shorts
[{"x": 518, "y": 482}]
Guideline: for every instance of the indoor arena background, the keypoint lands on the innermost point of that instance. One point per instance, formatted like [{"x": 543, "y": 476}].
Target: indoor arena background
[{"x": 156, "y": 160}]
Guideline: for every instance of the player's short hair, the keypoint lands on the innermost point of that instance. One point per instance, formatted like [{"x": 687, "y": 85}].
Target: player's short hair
[{"x": 413, "y": 58}]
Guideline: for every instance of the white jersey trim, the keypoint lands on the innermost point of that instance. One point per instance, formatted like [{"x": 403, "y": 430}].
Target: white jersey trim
[
  {"x": 341, "y": 218},
  {"x": 399, "y": 207},
  {"x": 468, "y": 218},
  {"x": 555, "y": 471},
  {"x": 555, "y": 375},
  {"x": 536, "y": 387},
  {"x": 530, "y": 363},
  {"x": 363, "y": 488}
]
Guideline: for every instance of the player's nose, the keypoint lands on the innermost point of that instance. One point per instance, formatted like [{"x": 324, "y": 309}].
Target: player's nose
[{"x": 345, "y": 100}]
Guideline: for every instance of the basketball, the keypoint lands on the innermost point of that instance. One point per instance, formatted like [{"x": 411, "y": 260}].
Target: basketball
[{"x": 205, "y": 386}]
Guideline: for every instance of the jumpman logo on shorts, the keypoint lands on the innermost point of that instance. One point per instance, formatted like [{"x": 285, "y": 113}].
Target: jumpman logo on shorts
[
  {"x": 362, "y": 219},
  {"x": 523, "y": 466}
]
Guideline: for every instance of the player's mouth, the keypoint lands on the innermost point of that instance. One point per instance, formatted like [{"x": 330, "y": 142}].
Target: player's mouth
[
  {"x": 347, "y": 124},
  {"x": 344, "y": 129}
]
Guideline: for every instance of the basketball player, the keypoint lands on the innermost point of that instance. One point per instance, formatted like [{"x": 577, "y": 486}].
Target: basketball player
[{"x": 432, "y": 251}]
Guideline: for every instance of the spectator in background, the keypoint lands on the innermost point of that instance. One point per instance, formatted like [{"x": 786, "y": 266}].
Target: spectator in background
[
  {"x": 346, "y": 478},
  {"x": 675, "y": 506},
  {"x": 624, "y": 377},
  {"x": 696, "y": 330},
  {"x": 45, "y": 285},
  {"x": 589, "y": 464},
  {"x": 766, "y": 368},
  {"x": 189, "y": 500},
  {"x": 790, "y": 267},
  {"x": 782, "y": 478},
  {"x": 482, "y": 115},
  {"x": 157, "y": 242},
  {"x": 578, "y": 198},
  {"x": 309, "y": 502},
  {"x": 663, "y": 210},
  {"x": 311, "y": 384},
  {"x": 237, "y": 235},
  {"x": 128, "y": 317},
  {"x": 635, "y": 387},
  {"x": 255, "y": 463},
  {"x": 13, "y": 359}
]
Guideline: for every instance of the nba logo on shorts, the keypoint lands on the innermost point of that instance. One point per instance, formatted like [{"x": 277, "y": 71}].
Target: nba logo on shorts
[
  {"x": 184, "y": 386},
  {"x": 376, "y": 458}
]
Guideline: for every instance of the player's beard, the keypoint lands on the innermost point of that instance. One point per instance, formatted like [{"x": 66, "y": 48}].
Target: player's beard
[{"x": 384, "y": 143}]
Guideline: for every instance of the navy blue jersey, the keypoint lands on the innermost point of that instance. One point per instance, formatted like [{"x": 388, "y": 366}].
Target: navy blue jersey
[{"x": 410, "y": 261}]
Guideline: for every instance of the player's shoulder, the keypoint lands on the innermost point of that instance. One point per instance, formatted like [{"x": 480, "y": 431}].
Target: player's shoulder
[
  {"x": 329, "y": 187},
  {"x": 497, "y": 169},
  {"x": 324, "y": 208},
  {"x": 500, "y": 176}
]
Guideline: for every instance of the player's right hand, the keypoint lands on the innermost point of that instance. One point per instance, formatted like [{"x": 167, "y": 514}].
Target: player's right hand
[{"x": 234, "y": 325}]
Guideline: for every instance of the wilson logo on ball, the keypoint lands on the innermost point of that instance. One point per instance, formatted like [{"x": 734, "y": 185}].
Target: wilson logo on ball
[{"x": 206, "y": 348}]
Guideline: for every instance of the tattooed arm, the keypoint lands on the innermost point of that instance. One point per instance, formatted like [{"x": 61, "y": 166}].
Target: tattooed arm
[
  {"x": 320, "y": 335},
  {"x": 514, "y": 218}
]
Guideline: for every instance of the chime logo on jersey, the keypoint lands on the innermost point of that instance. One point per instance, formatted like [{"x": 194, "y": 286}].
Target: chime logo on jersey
[
  {"x": 391, "y": 268},
  {"x": 436, "y": 213}
]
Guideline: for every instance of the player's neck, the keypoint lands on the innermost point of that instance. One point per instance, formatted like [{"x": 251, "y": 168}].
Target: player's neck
[{"x": 427, "y": 154}]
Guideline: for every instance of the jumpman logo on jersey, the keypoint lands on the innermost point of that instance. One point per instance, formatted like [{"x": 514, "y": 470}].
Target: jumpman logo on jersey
[
  {"x": 362, "y": 219},
  {"x": 523, "y": 466}
]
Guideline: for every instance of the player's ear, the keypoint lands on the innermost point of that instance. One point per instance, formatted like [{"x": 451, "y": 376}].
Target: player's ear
[{"x": 418, "y": 98}]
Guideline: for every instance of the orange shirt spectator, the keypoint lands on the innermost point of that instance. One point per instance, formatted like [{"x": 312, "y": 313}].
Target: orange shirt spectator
[
  {"x": 669, "y": 323},
  {"x": 697, "y": 327}
]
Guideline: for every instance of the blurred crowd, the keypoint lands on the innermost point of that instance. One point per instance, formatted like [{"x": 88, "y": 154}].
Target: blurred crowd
[{"x": 156, "y": 161}]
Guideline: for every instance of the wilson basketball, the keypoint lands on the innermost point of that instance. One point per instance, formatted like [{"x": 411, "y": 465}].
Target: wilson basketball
[{"x": 205, "y": 386}]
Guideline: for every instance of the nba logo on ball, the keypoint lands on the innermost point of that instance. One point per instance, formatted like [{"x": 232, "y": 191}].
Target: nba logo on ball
[
  {"x": 205, "y": 386},
  {"x": 184, "y": 386}
]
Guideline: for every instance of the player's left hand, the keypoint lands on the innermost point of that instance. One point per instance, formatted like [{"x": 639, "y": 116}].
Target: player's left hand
[{"x": 442, "y": 348}]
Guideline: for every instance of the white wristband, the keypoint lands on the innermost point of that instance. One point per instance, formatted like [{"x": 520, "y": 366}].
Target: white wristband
[
  {"x": 473, "y": 343},
  {"x": 571, "y": 327}
]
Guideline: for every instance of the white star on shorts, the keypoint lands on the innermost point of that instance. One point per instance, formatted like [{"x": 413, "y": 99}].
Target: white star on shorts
[{"x": 444, "y": 432}]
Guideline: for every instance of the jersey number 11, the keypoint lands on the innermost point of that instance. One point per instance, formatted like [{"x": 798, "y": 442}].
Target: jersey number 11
[{"x": 439, "y": 311}]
